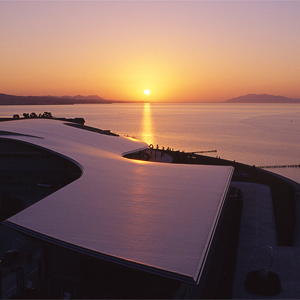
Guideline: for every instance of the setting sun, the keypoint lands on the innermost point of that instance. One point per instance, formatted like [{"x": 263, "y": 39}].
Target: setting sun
[{"x": 136, "y": 45}]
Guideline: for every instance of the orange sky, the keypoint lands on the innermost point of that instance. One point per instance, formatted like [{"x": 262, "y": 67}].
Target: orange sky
[{"x": 180, "y": 50}]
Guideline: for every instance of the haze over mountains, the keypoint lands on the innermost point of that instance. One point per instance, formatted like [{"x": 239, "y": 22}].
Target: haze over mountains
[
  {"x": 52, "y": 100},
  {"x": 262, "y": 98},
  {"x": 94, "y": 99}
]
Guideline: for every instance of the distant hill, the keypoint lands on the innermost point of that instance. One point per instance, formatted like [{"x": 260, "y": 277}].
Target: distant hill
[
  {"x": 262, "y": 98},
  {"x": 52, "y": 100}
]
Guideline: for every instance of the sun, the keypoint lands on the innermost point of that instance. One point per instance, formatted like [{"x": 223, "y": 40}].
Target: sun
[{"x": 147, "y": 92}]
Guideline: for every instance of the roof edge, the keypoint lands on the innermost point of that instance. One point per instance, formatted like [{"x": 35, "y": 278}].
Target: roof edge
[
  {"x": 209, "y": 241},
  {"x": 109, "y": 258}
]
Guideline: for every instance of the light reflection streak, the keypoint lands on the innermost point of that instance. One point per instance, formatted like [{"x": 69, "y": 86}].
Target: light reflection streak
[
  {"x": 147, "y": 132},
  {"x": 141, "y": 206},
  {"x": 141, "y": 209}
]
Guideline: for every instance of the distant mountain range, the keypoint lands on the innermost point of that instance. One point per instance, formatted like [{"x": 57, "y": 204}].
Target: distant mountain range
[
  {"x": 94, "y": 99},
  {"x": 262, "y": 98},
  {"x": 52, "y": 100}
]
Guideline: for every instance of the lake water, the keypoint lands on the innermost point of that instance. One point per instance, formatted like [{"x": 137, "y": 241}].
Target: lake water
[{"x": 255, "y": 134}]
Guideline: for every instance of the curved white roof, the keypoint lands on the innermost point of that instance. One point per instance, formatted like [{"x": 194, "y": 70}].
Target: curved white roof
[{"x": 158, "y": 217}]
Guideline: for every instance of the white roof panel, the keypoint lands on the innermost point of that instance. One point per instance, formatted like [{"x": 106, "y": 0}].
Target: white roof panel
[{"x": 156, "y": 216}]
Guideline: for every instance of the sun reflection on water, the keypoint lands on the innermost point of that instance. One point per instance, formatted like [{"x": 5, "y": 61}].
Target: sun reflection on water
[{"x": 147, "y": 132}]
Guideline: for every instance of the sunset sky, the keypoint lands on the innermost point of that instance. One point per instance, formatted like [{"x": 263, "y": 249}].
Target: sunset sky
[{"x": 187, "y": 51}]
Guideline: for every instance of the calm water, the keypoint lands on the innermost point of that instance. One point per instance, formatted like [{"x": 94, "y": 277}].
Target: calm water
[{"x": 256, "y": 134}]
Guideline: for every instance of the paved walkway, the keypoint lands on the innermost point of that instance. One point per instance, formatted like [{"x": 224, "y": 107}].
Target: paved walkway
[{"x": 258, "y": 230}]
